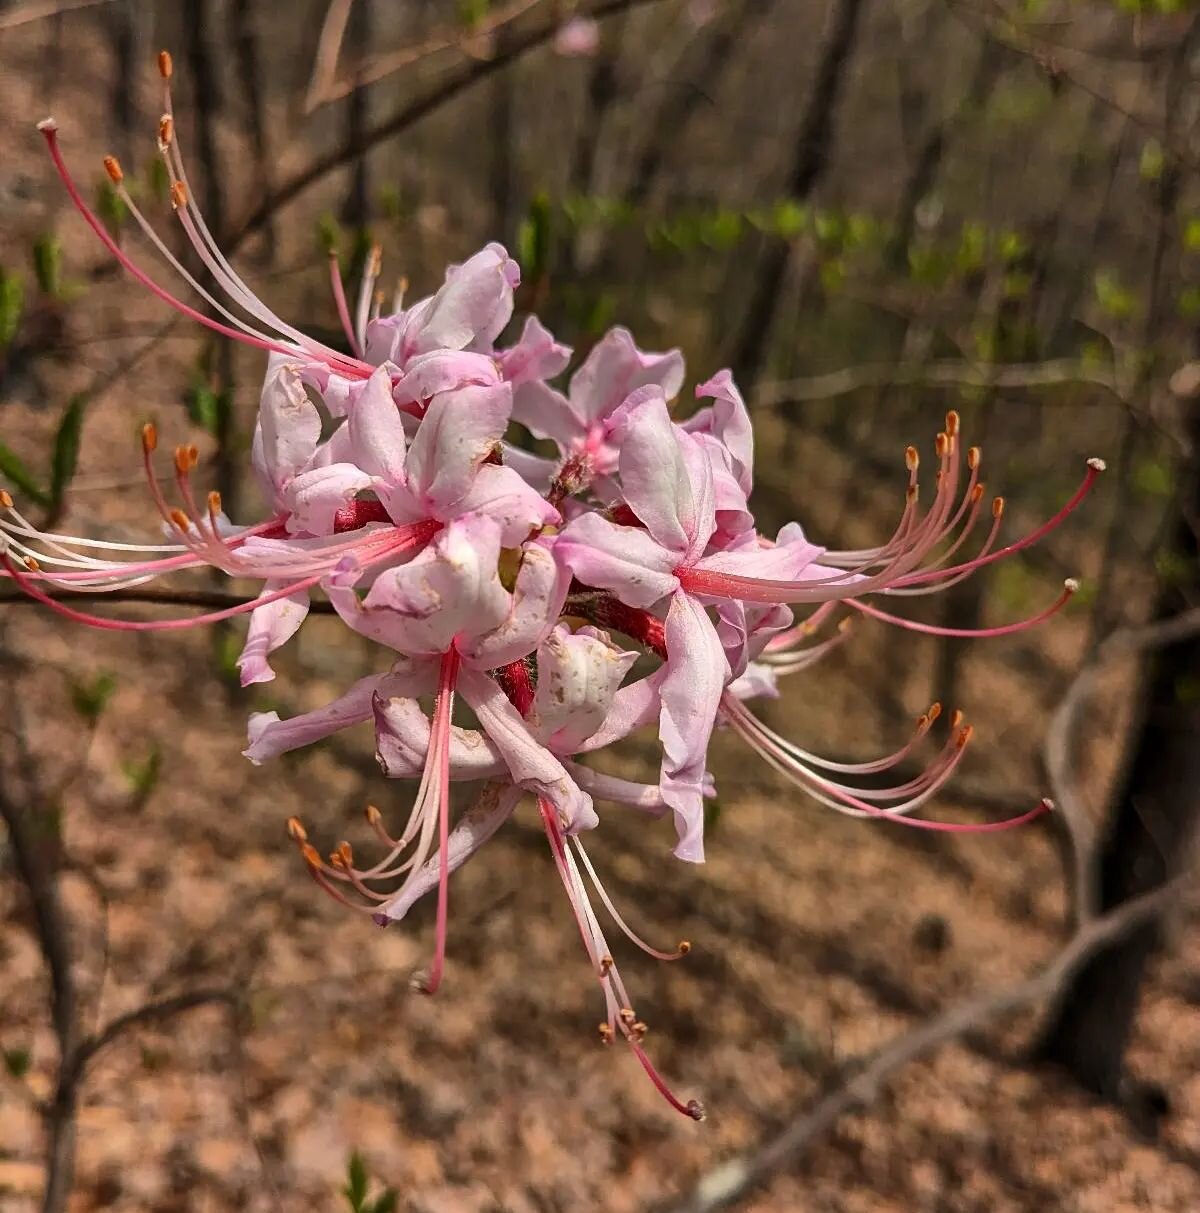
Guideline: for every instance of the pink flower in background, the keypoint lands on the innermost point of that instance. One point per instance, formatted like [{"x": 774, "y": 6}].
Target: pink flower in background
[
  {"x": 523, "y": 586},
  {"x": 578, "y": 38}
]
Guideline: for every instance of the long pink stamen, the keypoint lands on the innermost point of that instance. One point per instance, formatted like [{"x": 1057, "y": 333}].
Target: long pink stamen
[
  {"x": 339, "y": 299},
  {"x": 445, "y": 699},
  {"x": 1007, "y": 629},
  {"x": 29, "y": 586},
  {"x": 50, "y": 131}
]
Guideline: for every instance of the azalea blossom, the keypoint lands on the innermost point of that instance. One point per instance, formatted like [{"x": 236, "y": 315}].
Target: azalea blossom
[{"x": 568, "y": 600}]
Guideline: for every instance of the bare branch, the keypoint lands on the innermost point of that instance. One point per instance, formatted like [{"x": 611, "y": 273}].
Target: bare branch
[
  {"x": 329, "y": 47},
  {"x": 149, "y": 1013},
  {"x": 410, "y": 113},
  {"x": 325, "y": 87},
  {"x": 732, "y": 1181},
  {"x": 1059, "y": 745},
  {"x": 41, "y": 9},
  {"x": 947, "y": 373}
]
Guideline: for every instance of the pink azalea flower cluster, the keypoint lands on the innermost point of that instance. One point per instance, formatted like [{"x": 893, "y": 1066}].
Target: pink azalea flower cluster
[{"x": 526, "y": 586}]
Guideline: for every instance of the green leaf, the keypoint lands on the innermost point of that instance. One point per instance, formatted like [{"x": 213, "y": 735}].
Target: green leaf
[
  {"x": 355, "y": 1190},
  {"x": 15, "y": 471},
  {"x": 66, "y": 449},
  {"x": 91, "y": 698},
  {"x": 111, "y": 208},
  {"x": 534, "y": 238},
  {"x": 329, "y": 234},
  {"x": 789, "y": 219},
  {"x": 1113, "y": 298},
  {"x": 47, "y": 264},
  {"x": 712, "y": 814},
  {"x": 1153, "y": 478},
  {"x": 1153, "y": 160},
  {"x": 158, "y": 179},
  {"x": 12, "y": 304},
  {"x": 16, "y": 1062},
  {"x": 472, "y": 12},
  {"x": 143, "y": 774}
]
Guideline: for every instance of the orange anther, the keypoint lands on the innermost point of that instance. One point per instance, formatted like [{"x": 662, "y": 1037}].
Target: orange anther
[
  {"x": 951, "y": 423},
  {"x": 179, "y": 194},
  {"x": 311, "y": 855},
  {"x": 149, "y": 437},
  {"x": 965, "y": 736},
  {"x": 976, "y": 494},
  {"x": 31, "y": 564},
  {"x": 374, "y": 816},
  {"x": 935, "y": 710},
  {"x": 941, "y": 445},
  {"x": 166, "y": 131},
  {"x": 112, "y": 166},
  {"x": 6, "y": 501},
  {"x": 912, "y": 458},
  {"x": 974, "y": 455},
  {"x": 181, "y": 520},
  {"x": 295, "y": 828},
  {"x": 685, "y": 946},
  {"x": 165, "y": 65},
  {"x": 214, "y": 502},
  {"x": 997, "y": 507},
  {"x": 956, "y": 719}
]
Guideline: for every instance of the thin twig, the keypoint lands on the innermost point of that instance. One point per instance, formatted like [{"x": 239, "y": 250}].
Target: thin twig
[
  {"x": 948, "y": 373},
  {"x": 410, "y": 113},
  {"x": 1057, "y": 751},
  {"x": 41, "y": 9},
  {"x": 324, "y": 86},
  {"x": 733, "y": 1180}
]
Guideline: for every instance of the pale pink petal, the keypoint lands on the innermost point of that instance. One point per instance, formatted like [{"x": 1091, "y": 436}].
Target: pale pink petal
[
  {"x": 375, "y": 432},
  {"x": 578, "y": 675},
  {"x": 489, "y": 812},
  {"x": 428, "y": 375},
  {"x": 536, "y": 471},
  {"x": 537, "y": 600},
  {"x": 633, "y": 707},
  {"x": 450, "y": 589},
  {"x": 545, "y": 413},
  {"x": 402, "y": 744},
  {"x": 782, "y": 562},
  {"x": 314, "y": 497},
  {"x": 531, "y": 765},
  {"x": 474, "y": 304},
  {"x": 271, "y": 626},
  {"x": 289, "y": 425},
  {"x": 758, "y": 681},
  {"x": 729, "y": 422},
  {"x": 654, "y": 476},
  {"x": 623, "y": 559},
  {"x": 535, "y": 356},
  {"x": 615, "y": 368},
  {"x": 456, "y": 435},
  {"x": 503, "y": 496},
  {"x": 691, "y": 693},
  {"x": 269, "y": 736},
  {"x": 599, "y": 786}
]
